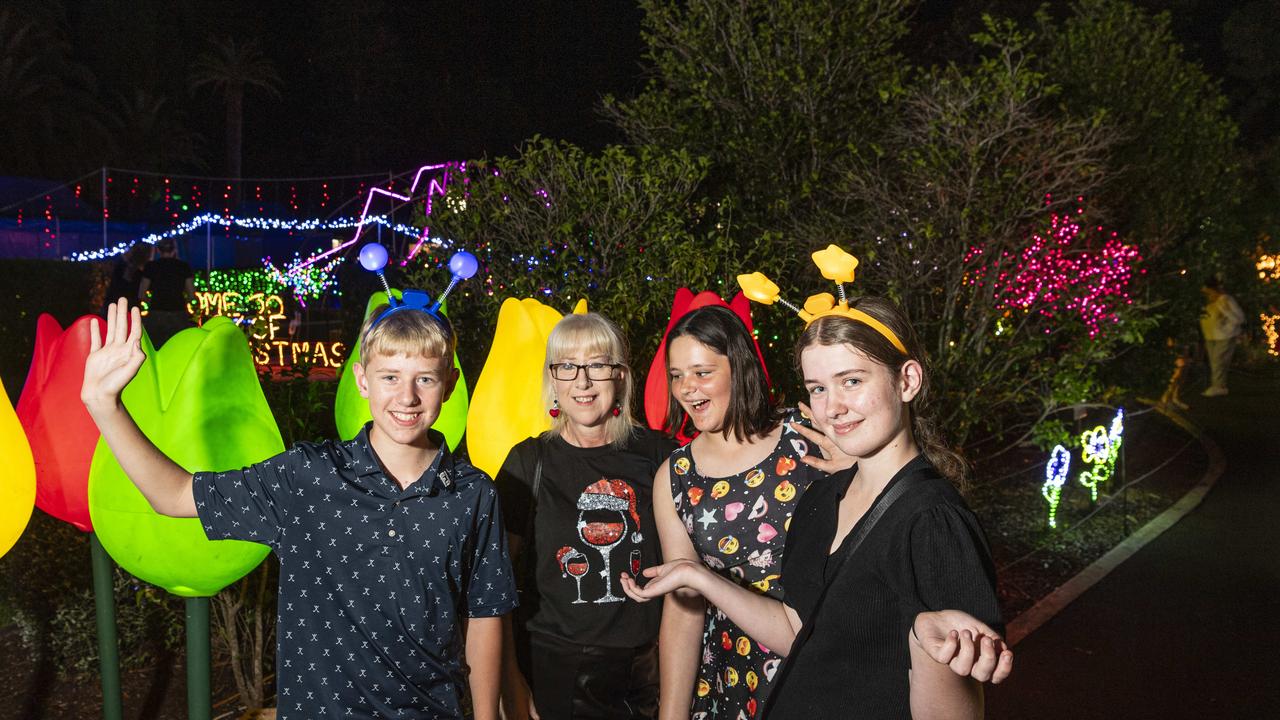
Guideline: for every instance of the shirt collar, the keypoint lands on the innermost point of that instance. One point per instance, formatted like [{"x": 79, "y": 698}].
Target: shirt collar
[{"x": 440, "y": 475}]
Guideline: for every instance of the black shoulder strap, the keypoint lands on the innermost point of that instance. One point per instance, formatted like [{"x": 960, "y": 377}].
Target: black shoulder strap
[
  {"x": 524, "y": 573},
  {"x": 850, "y": 547},
  {"x": 536, "y": 485},
  {"x": 869, "y": 522}
]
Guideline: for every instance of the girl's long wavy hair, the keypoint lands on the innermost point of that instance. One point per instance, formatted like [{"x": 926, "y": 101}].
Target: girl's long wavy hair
[{"x": 837, "y": 330}]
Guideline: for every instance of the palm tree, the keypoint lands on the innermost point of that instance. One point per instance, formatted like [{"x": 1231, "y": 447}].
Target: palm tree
[
  {"x": 149, "y": 133},
  {"x": 50, "y": 117},
  {"x": 230, "y": 68}
]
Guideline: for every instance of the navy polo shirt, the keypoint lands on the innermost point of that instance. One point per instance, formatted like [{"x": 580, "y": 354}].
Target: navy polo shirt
[{"x": 372, "y": 578}]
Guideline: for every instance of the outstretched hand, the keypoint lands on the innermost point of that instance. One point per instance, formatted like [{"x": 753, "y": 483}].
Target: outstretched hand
[
  {"x": 965, "y": 644},
  {"x": 675, "y": 576},
  {"x": 833, "y": 458},
  {"x": 113, "y": 361}
]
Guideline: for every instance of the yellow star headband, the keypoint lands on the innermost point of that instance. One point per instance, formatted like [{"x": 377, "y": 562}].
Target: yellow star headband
[{"x": 835, "y": 264}]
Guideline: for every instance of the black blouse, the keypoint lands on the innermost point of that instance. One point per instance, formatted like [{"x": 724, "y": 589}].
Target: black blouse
[{"x": 927, "y": 552}]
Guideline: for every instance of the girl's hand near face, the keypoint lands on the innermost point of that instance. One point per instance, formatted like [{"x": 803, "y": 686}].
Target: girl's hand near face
[{"x": 833, "y": 458}]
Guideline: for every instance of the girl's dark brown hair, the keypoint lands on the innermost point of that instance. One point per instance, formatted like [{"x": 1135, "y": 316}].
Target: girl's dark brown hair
[
  {"x": 837, "y": 330},
  {"x": 752, "y": 410}
]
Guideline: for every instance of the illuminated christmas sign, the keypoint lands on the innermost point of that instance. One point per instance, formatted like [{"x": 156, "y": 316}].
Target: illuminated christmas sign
[{"x": 261, "y": 316}]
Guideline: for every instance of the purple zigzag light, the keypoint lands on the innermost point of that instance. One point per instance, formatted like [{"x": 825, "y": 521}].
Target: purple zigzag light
[
  {"x": 437, "y": 186},
  {"x": 434, "y": 187}
]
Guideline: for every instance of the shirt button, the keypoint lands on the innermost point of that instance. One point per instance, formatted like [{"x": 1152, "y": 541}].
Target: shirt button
[{"x": 392, "y": 533}]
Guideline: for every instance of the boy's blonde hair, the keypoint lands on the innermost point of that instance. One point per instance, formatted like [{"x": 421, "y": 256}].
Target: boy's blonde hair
[
  {"x": 591, "y": 334},
  {"x": 406, "y": 332}
]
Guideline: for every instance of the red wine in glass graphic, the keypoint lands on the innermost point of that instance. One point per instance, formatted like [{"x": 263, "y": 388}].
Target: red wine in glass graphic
[
  {"x": 575, "y": 565},
  {"x": 604, "y": 534}
]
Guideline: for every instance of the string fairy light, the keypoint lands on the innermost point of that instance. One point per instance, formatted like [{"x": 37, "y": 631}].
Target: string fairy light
[
  {"x": 1269, "y": 327},
  {"x": 1055, "y": 276},
  {"x": 1268, "y": 267},
  {"x": 247, "y": 223}
]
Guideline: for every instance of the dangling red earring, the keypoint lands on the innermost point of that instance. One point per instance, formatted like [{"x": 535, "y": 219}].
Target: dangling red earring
[
  {"x": 555, "y": 409},
  {"x": 616, "y": 410}
]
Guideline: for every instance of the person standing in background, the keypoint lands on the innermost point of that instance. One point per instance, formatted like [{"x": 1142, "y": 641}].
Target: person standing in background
[
  {"x": 171, "y": 282},
  {"x": 1221, "y": 323},
  {"x": 126, "y": 275}
]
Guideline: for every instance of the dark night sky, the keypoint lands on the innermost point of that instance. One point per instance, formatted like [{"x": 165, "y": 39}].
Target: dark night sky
[
  {"x": 438, "y": 81},
  {"x": 380, "y": 85}
]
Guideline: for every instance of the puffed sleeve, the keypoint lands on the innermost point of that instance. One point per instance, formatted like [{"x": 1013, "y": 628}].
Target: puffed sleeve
[
  {"x": 945, "y": 564},
  {"x": 247, "y": 504}
]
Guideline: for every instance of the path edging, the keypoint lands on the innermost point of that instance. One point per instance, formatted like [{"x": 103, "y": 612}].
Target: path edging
[{"x": 1054, "y": 602}]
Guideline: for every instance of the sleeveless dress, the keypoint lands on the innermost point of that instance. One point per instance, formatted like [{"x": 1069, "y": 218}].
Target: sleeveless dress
[{"x": 738, "y": 525}]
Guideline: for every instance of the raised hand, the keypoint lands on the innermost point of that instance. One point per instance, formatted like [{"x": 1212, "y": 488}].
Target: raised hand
[
  {"x": 833, "y": 458},
  {"x": 964, "y": 643},
  {"x": 115, "y": 360}
]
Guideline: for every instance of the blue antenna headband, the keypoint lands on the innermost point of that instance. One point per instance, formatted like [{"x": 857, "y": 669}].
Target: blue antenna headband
[{"x": 373, "y": 257}]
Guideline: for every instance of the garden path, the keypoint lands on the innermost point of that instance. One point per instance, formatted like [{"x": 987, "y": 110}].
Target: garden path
[{"x": 1187, "y": 627}]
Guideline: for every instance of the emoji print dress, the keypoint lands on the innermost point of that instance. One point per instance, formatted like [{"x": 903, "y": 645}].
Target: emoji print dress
[{"x": 738, "y": 526}]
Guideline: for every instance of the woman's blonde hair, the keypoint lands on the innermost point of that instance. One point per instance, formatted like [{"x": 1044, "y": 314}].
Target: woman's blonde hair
[{"x": 591, "y": 334}]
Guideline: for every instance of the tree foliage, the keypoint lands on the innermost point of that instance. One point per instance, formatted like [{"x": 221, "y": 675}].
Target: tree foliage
[
  {"x": 623, "y": 228},
  {"x": 231, "y": 69},
  {"x": 770, "y": 92},
  {"x": 975, "y": 166},
  {"x": 50, "y": 120},
  {"x": 1175, "y": 161}
]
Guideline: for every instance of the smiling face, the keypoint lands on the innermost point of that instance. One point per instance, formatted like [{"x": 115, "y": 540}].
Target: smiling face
[
  {"x": 860, "y": 401},
  {"x": 585, "y": 402},
  {"x": 405, "y": 393},
  {"x": 700, "y": 381}
]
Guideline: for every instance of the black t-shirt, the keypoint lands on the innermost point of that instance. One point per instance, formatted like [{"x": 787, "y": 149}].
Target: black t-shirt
[
  {"x": 168, "y": 278},
  {"x": 927, "y": 552},
  {"x": 593, "y": 521}
]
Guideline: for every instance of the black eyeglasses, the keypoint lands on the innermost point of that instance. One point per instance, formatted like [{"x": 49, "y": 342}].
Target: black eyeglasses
[{"x": 595, "y": 371}]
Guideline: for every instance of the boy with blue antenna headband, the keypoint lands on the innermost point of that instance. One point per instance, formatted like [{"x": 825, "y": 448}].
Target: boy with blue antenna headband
[{"x": 392, "y": 554}]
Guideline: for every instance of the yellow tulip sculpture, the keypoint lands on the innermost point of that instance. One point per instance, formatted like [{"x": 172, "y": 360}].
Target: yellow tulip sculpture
[
  {"x": 351, "y": 410},
  {"x": 507, "y": 404},
  {"x": 199, "y": 400},
  {"x": 18, "y": 481}
]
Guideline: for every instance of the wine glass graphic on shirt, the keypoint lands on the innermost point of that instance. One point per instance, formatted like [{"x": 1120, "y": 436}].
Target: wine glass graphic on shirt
[
  {"x": 609, "y": 503},
  {"x": 575, "y": 565}
]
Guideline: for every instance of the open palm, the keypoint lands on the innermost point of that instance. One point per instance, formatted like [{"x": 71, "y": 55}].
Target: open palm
[{"x": 115, "y": 360}]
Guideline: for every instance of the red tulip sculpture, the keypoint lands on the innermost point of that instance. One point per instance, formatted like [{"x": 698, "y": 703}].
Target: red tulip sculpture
[
  {"x": 63, "y": 439},
  {"x": 61, "y": 433}
]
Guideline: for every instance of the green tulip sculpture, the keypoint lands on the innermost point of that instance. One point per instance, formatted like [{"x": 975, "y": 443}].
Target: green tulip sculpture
[{"x": 198, "y": 399}]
